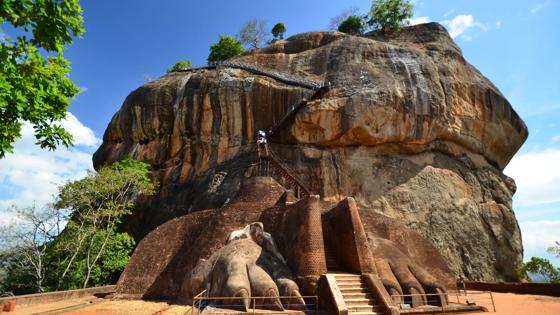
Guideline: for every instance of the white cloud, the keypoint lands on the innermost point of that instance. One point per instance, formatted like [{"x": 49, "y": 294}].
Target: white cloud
[
  {"x": 84, "y": 89},
  {"x": 82, "y": 134},
  {"x": 538, "y": 7},
  {"x": 537, "y": 175},
  {"x": 556, "y": 138},
  {"x": 30, "y": 175},
  {"x": 462, "y": 23},
  {"x": 498, "y": 25},
  {"x": 419, "y": 20},
  {"x": 538, "y": 236}
]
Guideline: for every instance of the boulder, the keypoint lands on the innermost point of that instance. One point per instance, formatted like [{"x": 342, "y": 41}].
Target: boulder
[{"x": 407, "y": 127}]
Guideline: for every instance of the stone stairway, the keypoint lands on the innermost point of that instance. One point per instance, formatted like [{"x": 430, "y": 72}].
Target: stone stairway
[
  {"x": 356, "y": 294},
  {"x": 332, "y": 264}
]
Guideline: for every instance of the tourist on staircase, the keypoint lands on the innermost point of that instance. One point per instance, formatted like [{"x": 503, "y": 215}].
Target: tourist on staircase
[{"x": 262, "y": 145}]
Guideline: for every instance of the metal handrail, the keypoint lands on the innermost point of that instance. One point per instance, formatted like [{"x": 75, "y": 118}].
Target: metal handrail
[
  {"x": 283, "y": 77},
  {"x": 253, "y": 299},
  {"x": 287, "y": 174},
  {"x": 445, "y": 294}
]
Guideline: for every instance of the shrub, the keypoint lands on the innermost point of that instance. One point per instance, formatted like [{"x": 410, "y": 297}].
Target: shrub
[
  {"x": 354, "y": 24},
  {"x": 225, "y": 48},
  {"x": 180, "y": 65}
]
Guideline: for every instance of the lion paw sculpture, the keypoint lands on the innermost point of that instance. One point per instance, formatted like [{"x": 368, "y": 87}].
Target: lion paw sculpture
[{"x": 249, "y": 265}]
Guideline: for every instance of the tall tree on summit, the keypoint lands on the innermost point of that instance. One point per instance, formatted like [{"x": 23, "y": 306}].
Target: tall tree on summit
[
  {"x": 253, "y": 33},
  {"x": 390, "y": 15},
  {"x": 34, "y": 83}
]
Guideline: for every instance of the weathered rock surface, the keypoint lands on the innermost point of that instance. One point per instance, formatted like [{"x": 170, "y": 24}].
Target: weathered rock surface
[{"x": 408, "y": 128}]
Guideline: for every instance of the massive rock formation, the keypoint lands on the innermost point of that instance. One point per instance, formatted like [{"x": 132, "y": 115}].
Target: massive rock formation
[{"x": 408, "y": 128}]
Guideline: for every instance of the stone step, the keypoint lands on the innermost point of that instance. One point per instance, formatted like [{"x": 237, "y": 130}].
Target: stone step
[
  {"x": 348, "y": 282},
  {"x": 347, "y": 279},
  {"x": 364, "y": 308},
  {"x": 347, "y": 276},
  {"x": 364, "y": 313},
  {"x": 359, "y": 301},
  {"x": 348, "y": 290},
  {"x": 367, "y": 295},
  {"x": 358, "y": 285}
]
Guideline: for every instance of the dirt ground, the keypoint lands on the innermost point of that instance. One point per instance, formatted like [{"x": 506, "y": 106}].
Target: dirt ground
[
  {"x": 506, "y": 304},
  {"x": 520, "y": 304}
]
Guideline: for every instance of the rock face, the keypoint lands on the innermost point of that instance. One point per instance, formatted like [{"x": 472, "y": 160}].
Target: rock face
[{"x": 408, "y": 128}]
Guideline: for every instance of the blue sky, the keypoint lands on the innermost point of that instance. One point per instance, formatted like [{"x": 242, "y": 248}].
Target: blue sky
[{"x": 513, "y": 43}]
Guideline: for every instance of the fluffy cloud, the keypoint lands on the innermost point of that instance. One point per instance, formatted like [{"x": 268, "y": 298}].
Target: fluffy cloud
[
  {"x": 556, "y": 138},
  {"x": 538, "y": 236},
  {"x": 461, "y": 24},
  {"x": 30, "y": 175},
  {"x": 537, "y": 175},
  {"x": 419, "y": 20}
]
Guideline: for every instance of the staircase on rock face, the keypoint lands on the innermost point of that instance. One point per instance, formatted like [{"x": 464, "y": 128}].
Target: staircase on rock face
[
  {"x": 356, "y": 294},
  {"x": 332, "y": 264}
]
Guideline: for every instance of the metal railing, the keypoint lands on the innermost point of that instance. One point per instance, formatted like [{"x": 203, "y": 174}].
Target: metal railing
[
  {"x": 462, "y": 297},
  {"x": 280, "y": 76},
  {"x": 198, "y": 304},
  {"x": 290, "y": 179}
]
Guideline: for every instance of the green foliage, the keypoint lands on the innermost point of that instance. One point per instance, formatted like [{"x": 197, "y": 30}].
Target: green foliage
[
  {"x": 354, "y": 24},
  {"x": 33, "y": 88},
  {"x": 541, "y": 268},
  {"x": 180, "y": 65},
  {"x": 253, "y": 33},
  {"x": 390, "y": 15},
  {"x": 98, "y": 203},
  {"x": 112, "y": 261},
  {"x": 225, "y": 48},
  {"x": 90, "y": 250},
  {"x": 554, "y": 249},
  {"x": 278, "y": 31}
]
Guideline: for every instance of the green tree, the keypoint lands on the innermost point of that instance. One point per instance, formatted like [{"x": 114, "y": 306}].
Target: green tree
[
  {"x": 354, "y": 24},
  {"x": 554, "y": 249},
  {"x": 225, "y": 48},
  {"x": 253, "y": 33},
  {"x": 278, "y": 31},
  {"x": 540, "y": 267},
  {"x": 180, "y": 65},
  {"x": 97, "y": 202},
  {"x": 34, "y": 83},
  {"x": 390, "y": 15}
]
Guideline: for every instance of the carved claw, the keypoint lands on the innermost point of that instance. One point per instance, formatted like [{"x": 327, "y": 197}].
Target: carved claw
[{"x": 242, "y": 297}]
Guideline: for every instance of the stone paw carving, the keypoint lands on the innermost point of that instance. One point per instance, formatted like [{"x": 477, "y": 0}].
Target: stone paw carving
[
  {"x": 243, "y": 269},
  {"x": 400, "y": 275}
]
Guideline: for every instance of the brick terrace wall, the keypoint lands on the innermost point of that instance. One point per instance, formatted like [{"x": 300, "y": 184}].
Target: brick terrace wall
[
  {"x": 299, "y": 235},
  {"x": 513, "y": 287},
  {"x": 161, "y": 260},
  {"x": 345, "y": 234}
]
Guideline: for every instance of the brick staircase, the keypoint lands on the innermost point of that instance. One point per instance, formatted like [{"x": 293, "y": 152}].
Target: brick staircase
[
  {"x": 356, "y": 294},
  {"x": 332, "y": 264}
]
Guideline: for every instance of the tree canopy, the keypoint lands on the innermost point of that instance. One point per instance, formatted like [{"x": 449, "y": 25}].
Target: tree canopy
[
  {"x": 225, "y": 48},
  {"x": 278, "y": 31},
  {"x": 354, "y": 24},
  {"x": 34, "y": 83},
  {"x": 180, "y": 65},
  {"x": 76, "y": 242},
  {"x": 541, "y": 268},
  {"x": 390, "y": 15},
  {"x": 253, "y": 33}
]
